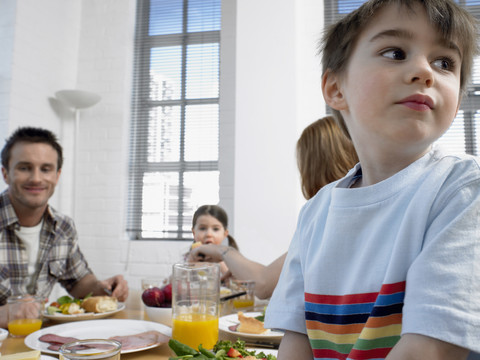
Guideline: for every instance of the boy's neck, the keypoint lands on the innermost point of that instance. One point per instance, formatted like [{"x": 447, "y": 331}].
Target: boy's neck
[{"x": 382, "y": 166}]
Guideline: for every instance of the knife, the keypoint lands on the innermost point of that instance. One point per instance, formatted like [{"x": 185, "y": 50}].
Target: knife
[
  {"x": 232, "y": 296},
  {"x": 265, "y": 345}
]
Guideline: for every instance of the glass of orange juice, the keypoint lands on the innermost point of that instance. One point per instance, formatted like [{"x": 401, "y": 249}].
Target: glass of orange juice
[
  {"x": 195, "y": 303},
  {"x": 25, "y": 314},
  {"x": 247, "y": 301}
]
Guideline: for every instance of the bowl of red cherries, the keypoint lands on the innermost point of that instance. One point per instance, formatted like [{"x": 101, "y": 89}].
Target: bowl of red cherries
[{"x": 158, "y": 303}]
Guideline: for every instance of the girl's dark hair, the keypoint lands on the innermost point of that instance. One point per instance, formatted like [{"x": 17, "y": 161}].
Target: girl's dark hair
[{"x": 218, "y": 213}]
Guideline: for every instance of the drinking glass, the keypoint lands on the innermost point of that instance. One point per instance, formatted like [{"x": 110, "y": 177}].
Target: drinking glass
[
  {"x": 25, "y": 313},
  {"x": 247, "y": 301},
  {"x": 195, "y": 302},
  {"x": 91, "y": 349}
]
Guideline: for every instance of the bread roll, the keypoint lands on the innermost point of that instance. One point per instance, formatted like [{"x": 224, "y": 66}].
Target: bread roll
[
  {"x": 196, "y": 244},
  {"x": 100, "y": 304}
]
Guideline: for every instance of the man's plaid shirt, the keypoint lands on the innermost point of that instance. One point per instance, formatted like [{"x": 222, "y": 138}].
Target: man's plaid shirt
[{"x": 59, "y": 257}]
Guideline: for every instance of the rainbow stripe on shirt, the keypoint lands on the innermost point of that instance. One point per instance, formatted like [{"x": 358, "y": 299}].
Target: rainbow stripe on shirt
[{"x": 355, "y": 327}]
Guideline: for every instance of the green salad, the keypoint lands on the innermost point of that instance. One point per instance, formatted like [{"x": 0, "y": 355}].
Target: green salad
[{"x": 222, "y": 350}]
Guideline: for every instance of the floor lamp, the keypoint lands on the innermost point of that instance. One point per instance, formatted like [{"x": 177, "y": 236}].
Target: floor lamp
[{"x": 76, "y": 99}]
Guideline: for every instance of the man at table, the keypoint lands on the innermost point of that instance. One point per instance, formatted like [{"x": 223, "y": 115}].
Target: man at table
[{"x": 38, "y": 245}]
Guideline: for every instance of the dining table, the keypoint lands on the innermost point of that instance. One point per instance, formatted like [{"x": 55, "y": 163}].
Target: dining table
[{"x": 134, "y": 310}]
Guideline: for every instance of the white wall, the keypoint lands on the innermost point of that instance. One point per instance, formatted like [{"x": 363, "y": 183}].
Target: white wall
[
  {"x": 270, "y": 91},
  {"x": 7, "y": 28},
  {"x": 274, "y": 102}
]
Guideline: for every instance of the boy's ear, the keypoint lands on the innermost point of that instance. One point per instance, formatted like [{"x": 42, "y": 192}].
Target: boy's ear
[{"x": 332, "y": 92}]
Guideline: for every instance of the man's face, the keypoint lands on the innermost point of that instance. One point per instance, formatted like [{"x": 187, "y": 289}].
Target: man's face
[{"x": 32, "y": 175}]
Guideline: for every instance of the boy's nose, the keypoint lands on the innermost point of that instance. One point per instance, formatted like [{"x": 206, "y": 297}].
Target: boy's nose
[{"x": 420, "y": 71}]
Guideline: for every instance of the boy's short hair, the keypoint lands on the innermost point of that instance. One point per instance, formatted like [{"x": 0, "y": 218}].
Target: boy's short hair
[
  {"x": 31, "y": 135},
  {"x": 451, "y": 20}
]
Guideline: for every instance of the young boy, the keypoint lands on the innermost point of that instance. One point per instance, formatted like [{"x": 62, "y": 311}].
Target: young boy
[{"x": 385, "y": 263}]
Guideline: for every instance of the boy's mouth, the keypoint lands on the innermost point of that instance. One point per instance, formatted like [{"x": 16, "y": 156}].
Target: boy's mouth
[{"x": 417, "y": 102}]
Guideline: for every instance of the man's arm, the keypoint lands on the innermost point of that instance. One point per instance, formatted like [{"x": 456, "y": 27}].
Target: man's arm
[
  {"x": 420, "y": 347},
  {"x": 90, "y": 284},
  {"x": 294, "y": 346}
]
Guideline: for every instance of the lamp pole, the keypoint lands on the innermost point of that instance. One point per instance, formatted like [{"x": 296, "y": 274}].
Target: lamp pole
[{"x": 76, "y": 99}]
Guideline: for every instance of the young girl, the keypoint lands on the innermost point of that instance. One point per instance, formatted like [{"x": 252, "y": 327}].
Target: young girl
[{"x": 210, "y": 226}]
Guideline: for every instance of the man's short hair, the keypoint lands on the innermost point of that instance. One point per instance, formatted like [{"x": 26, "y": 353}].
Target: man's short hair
[{"x": 31, "y": 135}]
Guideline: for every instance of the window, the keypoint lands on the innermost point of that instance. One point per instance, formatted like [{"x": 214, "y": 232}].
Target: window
[
  {"x": 462, "y": 135},
  {"x": 175, "y": 121}
]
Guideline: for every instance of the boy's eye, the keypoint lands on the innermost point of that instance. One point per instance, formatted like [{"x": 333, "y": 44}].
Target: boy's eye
[
  {"x": 445, "y": 63},
  {"x": 394, "y": 54}
]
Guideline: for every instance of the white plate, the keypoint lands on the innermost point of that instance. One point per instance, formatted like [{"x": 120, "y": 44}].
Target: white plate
[
  {"x": 96, "y": 329},
  {"x": 3, "y": 335},
  {"x": 58, "y": 317},
  {"x": 226, "y": 321}
]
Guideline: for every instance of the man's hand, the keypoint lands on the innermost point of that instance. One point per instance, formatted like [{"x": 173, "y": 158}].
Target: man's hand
[
  {"x": 117, "y": 285},
  {"x": 89, "y": 284}
]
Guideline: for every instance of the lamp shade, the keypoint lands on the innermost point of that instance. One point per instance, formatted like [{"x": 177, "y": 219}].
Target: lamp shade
[{"x": 78, "y": 99}]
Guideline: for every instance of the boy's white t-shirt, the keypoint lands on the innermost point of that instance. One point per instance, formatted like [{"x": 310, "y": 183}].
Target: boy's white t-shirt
[{"x": 402, "y": 255}]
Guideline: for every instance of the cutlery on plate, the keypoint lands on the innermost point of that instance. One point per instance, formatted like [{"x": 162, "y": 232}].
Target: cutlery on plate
[
  {"x": 232, "y": 296},
  {"x": 260, "y": 344}
]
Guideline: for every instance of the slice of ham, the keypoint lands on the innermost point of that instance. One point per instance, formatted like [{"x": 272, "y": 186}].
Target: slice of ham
[
  {"x": 129, "y": 342},
  {"x": 233, "y": 327},
  {"x": 142, "y": 340},
  {"x": 55, "y": 339}
]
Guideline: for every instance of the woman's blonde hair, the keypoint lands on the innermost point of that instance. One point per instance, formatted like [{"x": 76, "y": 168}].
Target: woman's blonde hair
[{"x": 324, "y": 154}]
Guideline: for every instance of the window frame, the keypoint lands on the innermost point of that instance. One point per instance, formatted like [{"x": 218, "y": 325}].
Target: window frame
[{"x": 142, "y": 105}]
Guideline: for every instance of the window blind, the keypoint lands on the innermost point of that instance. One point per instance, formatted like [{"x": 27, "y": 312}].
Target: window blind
[
  {"x": 174, "y": 122},
  {"x": 462, "y": 135}
]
